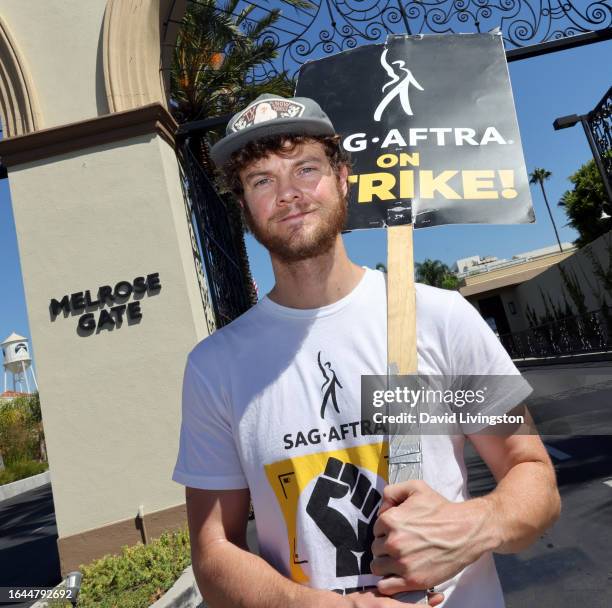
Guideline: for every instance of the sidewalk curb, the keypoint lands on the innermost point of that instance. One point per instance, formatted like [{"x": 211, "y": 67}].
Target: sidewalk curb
[
  {"x": 183, "y": 594},
  {"x": 9, "y": 490},
  {"x": 564, "y": 360}
]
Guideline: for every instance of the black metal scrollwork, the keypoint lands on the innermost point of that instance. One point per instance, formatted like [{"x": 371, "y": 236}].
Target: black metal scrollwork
[
  {"x": 331, "y": 26},
  {"x": 590, "y": 332},
  {"x": 600, "y": 124},
  {"x": 222, "y": 275}
]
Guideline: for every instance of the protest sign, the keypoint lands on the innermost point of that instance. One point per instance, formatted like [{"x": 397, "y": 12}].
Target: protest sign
[{"x": 431, "y": 127}]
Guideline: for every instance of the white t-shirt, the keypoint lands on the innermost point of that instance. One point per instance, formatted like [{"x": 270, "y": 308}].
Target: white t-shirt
[{"x": 272, "y": 402}]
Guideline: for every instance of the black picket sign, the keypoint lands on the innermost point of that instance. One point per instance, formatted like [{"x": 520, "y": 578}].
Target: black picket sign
[{"x": 431, "y": 127}]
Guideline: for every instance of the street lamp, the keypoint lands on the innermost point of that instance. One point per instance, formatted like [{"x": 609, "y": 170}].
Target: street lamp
[
  {"x": 565, "y": 122},
  {"x": 73, "y": 585}
]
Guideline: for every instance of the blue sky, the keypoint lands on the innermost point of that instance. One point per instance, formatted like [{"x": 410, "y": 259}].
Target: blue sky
[{"x": 544, "y": 88}]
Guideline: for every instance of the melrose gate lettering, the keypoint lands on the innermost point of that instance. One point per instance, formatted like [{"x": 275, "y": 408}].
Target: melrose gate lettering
[{"x": 112, "y": 303}]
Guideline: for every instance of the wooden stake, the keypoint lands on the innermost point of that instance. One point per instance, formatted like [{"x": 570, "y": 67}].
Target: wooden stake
[
  {"x": 404, "y": 451},
  {"x": 401, "y": 301}
]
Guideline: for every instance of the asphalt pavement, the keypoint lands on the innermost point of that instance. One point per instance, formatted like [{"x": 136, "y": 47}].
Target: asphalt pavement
[
  {"x": 28, "y": 547},
  {"x": 571, "y": 564}
]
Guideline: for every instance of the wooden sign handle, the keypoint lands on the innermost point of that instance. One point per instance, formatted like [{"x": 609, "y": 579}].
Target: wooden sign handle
[
  {"x": 404, "y": 451},
  {"x": 401, "y": 301}
]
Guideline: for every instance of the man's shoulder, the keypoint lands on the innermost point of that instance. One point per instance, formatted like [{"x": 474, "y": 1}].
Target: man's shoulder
[{"x": 434, "y": 301}]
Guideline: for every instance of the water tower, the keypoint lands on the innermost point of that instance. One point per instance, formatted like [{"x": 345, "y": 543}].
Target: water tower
[{"x": 17, "y": 361}]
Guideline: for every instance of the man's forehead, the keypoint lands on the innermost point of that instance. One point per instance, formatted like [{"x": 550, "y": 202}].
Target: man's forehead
[{"x": 291, "y": 152}]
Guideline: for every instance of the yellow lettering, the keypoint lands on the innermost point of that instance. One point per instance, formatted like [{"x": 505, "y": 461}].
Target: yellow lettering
[
  {"x": 506, "y": 177},
  {"x": 406, "y": 159},
  {"x": 375, "y": 184},
  {"x": 386, "y": 160},
  {"x": 406, "y": 184},
  {"x": 429, "y": 184},
  {"x": 479, "y": 184}
]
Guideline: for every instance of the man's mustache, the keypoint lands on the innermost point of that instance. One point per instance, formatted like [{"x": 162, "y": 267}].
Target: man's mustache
[{"x": 279, "y": 217}]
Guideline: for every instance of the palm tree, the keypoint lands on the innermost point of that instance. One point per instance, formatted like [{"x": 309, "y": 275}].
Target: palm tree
[
  {"x": 216, "y": 57},
  {"x": 435, "y": 273},
  {"x": 539, "y": 176}
]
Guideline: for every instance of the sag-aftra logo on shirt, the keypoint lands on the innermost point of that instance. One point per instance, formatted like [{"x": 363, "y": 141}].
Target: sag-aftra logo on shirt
[{"x": 330, "y": 498}]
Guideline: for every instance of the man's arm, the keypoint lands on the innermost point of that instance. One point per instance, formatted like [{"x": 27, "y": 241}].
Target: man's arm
[
  {"x": 526, "y": 500},
  {"x": 228, "y": 575},
  {"x": 422, "y": 539}
]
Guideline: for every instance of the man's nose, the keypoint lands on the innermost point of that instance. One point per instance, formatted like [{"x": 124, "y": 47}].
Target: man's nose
[{"x": 288, "y": 190}]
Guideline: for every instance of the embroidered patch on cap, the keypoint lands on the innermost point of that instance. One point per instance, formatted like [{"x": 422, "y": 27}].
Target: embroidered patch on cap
[{"x": 267, "y": 109}]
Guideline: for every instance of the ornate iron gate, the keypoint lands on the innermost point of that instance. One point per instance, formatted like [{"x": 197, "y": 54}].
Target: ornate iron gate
[
  {"x": 217, "y": 240},
  {"x": 599, "y": 122},
  {"x": 586, "y": 333},
  {"x": 529, "y": 27}
]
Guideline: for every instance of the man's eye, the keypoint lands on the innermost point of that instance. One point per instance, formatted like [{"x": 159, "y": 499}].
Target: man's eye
[
  {"x": 308, "y": 169},
  {"x": 261, "y": 182}
]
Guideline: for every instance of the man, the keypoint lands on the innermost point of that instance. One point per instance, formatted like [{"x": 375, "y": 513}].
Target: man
[{"x": 255, "y": 422}]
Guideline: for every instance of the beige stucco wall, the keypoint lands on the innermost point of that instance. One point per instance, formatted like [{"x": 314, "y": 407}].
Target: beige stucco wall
[
  {"x": 60, "y": 42},
  {"x": 511, "y": 274},
  {"x": 110, "y": 401},
  {"x": 505, "y": 282},
  {"x": 578, "y": 266}
]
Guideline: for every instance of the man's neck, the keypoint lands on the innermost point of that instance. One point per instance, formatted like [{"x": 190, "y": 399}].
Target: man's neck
[{"x": 317, "y": 281}]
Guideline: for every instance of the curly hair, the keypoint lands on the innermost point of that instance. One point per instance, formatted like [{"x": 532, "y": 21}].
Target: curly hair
[{"x": 282, "y": 145}]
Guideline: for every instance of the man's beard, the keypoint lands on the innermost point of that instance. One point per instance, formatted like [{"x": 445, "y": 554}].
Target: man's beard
[{"x": 297, "y": 248}]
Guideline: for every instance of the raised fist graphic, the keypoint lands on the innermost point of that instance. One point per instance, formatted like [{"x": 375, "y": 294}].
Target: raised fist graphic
[{"x": 353, "y": 549}]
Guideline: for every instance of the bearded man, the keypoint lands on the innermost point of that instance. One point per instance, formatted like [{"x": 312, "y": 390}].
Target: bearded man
[{"x": 331, "y": 531}]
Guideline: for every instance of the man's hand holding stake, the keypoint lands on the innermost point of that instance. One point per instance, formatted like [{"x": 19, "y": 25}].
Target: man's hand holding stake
[{"x": 422, "y": 539}]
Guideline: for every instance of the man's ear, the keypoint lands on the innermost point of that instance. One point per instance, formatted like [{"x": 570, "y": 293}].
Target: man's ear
[{"x": 343, "y": 177}]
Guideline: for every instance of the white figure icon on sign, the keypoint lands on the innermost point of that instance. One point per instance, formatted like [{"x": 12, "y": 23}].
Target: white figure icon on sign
[{"x": 402, "y": 84}]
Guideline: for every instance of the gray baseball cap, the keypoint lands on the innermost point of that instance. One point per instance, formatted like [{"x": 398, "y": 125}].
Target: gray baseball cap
[{"x": 271, "y": 115}]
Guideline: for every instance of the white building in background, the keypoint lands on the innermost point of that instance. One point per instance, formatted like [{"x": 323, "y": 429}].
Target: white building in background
[
  {"x": 17, "y": 362},
  {"x": 476, "y": 264}
]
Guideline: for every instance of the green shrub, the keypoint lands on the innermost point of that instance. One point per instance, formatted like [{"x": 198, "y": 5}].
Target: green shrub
[
  {"x": 139, "y": 576},
  {"x": 21, "y": 433},
  {"x": 22, "y": 469}
]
